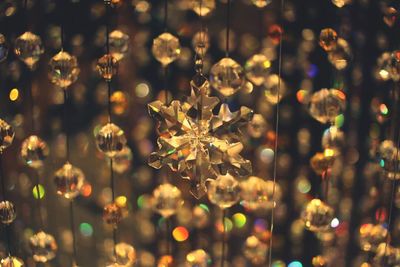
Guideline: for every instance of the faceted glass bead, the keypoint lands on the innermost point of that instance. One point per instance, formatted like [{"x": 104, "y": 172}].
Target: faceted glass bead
[
  {"x": 224, "y": 191},
  {"x": 6, "y": 135},
  {"x": 198, "y": 258},
  {"x": 272, "y": 86},
  {"x": 122, "y": 161},
  {"x": 317, "y": 216},
  {"x": 320, "y": 162},
  {"x": 166, "y": 48},
  {"x": 125, "y": 254},
  {"x": 64, "y": 69},
  {"x": 390, "y": 156},
  {"x": 386, "y": 256},
  {"x": 328, "y": 39},
  {"x": 11, "y": 261},
  {"x": 341, "y": 55},
  {"x": 327, "y": 104},
  {"x": 227, "y": 77},
  {"x": 167, "y": 199},
  {"x": 28, "y": 47},
  {"x": 112, "y": 214},
  {"x": 34, "y": 151},
  {"x": 119, "y": 44},
  {"x": 370, "y": 236},
  {"x": 333, "y": 138},
  {"x": 69, "y": 181},
  {"x": 201, "y": 43},
  {"x": 256, "y": 193},
  {"x": 255, "y": 250},
  {"x": 319, "y": 261},
  {"x": 110, "y": 139},
  {"x": 203, "y": 7},
  {"x": 257, "y": 69},
  {"x": 261, "y": 3},
  {"x": 7, "y": 212},
  {"x": 43, "y": 246},
  {"x": 3, "y": 48},
  {"x": 107, "y": 66}
]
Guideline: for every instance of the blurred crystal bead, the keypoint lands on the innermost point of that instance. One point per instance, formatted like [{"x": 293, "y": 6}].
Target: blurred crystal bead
[
  {"x": 166, "y": 48},
  {"x": 3, "y": 48},
  {"x": 165, "y": 261},
  {"x": 110, "y": 139},
  {"x": 63, "y": 69},
  {"x": 389, "y": 66},
  {"x": 261, "y": 3},
  {"x": 370, "y": 236},
  {"x": 201, "y": 42},
  {"x": 69, "y": 181},
  {"x": 198, "y": 258},
  {"x": 167, "y": 199},
  {"x": 274, "y": 89},
  {"x": 317, "y": 216},
  {"x": 386, "y": 255},
  {"x": 341, "y": 55},
  {"x": 390, "y": 15},
  {"x": 227, "y": 76},
  {"x": 256, "y": 193},
  {"x": 125, "y": 254},
  {"x": 255, "y": 251},
  {"x": 112, "y": 214},
  {"x": 333, "y": 138},
  {"x": 34, "y": 151},
  {"x": 389, "y": 159},
  {"x": 257, "y": 69},
  {"x": 119, "y": 102},
  {"x": 319, "y": 261},
  {"x": 202, "y": 7},
  {"x": 43, "y": 246},
  {"x": 257, "y": 126},
  {"x": 341, "y": 3},
  {"x": 327, "y": 104},
  {"x": 119, "y": 44},
  {"x": 320, "y": 162},
  {"x": 28, "y": 47},
  {"x": 7, "y": 212},
  {"x": 6, "y": 135},
  {"x": 328, "y": 39},
  {"x": 107, "y": 66},
  {"x": 122, "y": 161},
  {"x": 224, "y": 191},
  {"x": 201, "y": 216},
  {"x": 11, "y": 261}
]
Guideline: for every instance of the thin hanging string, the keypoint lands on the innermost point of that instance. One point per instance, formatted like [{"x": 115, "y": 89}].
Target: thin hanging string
[
  {"x": 261, "y": 29},
  {"x": 276, "y": 142},
  {"x": 165, "y": 23},
  {"x": 67, "y": 141},
  {"x": 228, "y": 26},
  {"x": 3, "y": 188},
  {"x": 223, "y": 238}
]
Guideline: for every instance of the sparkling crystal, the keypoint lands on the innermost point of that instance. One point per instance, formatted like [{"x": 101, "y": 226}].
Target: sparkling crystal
[
  {"x": 227, "y": 77},
  {"x": 201, "y": 43},
  {"x": 125, "y": 254},
  {"x": 328, "y": 39},
  {"x": 317, "y": 216},
  {"x": 371, "y": 235},
  {"x": 386, "y": 255},
  {"x": 107, "y": 66},
  {"x": 166, "y": 48},
  {"x": 224, "y": 191},
  {"x": 256, "y": 193},
  {"x": 341, "y": 55},
  {"x": 110, "y": 139},
  {"x": 202, "y": 7},
  {"x": 43, "y": 246},
  {"x": 122, "y": 161},
  {"x": 119, "y": 44},
  {"x": 390, "y": 16},
  {"x": 327, "y": 104},
  {"x": 28, "y": 47},
  {"x": 320, "y": 162},
  {"x": 7, "y": 212},
  {"x": 112, "y": 214},
  {"x": 272, "y": 86},
  {"x": 319, "y": 261},
  {"x": 198, "y": 258},
  {"x": 34, "y": 151},
  {"x": 3, "y": 48},
  {"x": 69, "y": 181},
  {"x": 257, "y": 69},
  {"x": 255, "y": 251},
  {"x": 6, "y": 135},
  {"x": 11, "y": 261},
  {"x": 167, "y": 199},
  {"x": 261, "y": 3},
  {"x": 390, "y": 157},
  {"x": 64, "y": 69}
]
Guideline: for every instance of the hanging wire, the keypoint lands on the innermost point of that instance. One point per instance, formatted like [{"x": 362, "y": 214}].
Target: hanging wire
[
  {"x": 228, "y": 26},
  {"x": 272, "y": 218}
]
